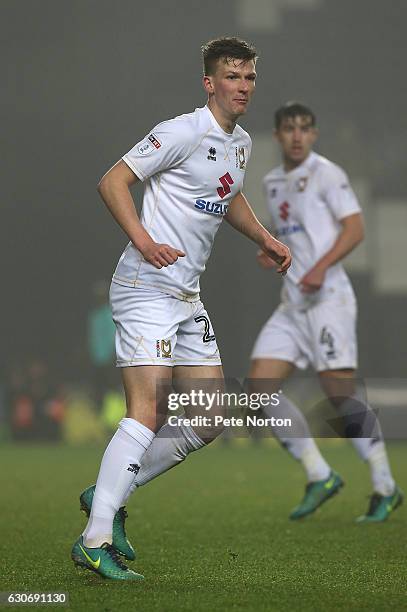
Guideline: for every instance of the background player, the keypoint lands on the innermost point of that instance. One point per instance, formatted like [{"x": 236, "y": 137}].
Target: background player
[
  {"x": 193, "y": 167},
  {"x": 314, "y": 210}
]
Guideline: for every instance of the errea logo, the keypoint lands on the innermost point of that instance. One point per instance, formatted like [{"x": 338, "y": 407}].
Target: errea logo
[{"x": 212, "y": 153}]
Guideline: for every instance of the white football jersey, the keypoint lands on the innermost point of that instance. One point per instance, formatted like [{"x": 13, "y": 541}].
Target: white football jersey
[
  {"x": 306, "y": 205},
  {"x": 192, "y": 169}
]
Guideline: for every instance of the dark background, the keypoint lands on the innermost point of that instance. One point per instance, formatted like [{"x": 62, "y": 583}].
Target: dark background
[{"x": 84, "y": 80}]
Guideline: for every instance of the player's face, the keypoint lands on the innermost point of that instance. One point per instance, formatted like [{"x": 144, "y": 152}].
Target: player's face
[
  {"x": 296, "y": 136},
  {"x": 231, "y": 87}
]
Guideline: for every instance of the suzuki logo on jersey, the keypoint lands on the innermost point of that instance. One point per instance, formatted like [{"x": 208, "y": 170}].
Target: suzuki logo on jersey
[
  {"x": 225, "y": 180},
  {"x": 284, "y": 211},
  {"x": 216, "y": 208},
  {"x": 287, "y": 230}
]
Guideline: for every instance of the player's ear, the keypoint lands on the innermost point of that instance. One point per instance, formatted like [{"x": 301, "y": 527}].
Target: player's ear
[
  {"x": 208, "y": 84},
  {"x": 316, "y": 134}
]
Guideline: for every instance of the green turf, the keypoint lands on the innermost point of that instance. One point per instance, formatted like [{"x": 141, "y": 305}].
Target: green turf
[{"x": 211, "y": 535}]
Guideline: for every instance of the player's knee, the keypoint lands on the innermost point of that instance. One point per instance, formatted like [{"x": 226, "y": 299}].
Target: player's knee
[
  {"x": 338, "y": 386},
  {"x": 209, "y": 433}
]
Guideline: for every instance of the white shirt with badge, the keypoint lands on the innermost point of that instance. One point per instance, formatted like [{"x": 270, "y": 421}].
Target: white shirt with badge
[
  {"x": 306, "y": 206},
  {"x": 192, "y": 169}
]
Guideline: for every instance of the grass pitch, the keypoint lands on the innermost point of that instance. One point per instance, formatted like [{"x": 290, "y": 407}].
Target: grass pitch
[{"x": 211, "y": 535}]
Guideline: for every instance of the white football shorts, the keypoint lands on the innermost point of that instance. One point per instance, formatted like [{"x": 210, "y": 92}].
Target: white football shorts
[
  {"x": 154, "y": 328},
  {"x": 323, "y": 336}
]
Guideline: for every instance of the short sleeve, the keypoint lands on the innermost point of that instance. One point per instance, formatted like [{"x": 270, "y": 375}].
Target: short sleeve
[
  {"x": 167, "y": 145},
  {"x": 338, "y": 193}
]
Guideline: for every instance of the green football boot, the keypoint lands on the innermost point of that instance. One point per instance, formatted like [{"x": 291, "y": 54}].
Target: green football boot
[
  {"x": 103, "y": 560},
  {"x": 120, "y": 541},
  {"x": 381, "y": 506},
  {"x": 317, "y": 493}
]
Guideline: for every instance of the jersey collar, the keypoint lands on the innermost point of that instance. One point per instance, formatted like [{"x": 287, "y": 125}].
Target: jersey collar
[
  {"x": 216, "y": 124},
  {"x": 306, "y": 164}
]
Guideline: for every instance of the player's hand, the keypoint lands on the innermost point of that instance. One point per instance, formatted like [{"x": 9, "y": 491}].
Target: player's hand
[
  {"x": 161, "y": 255},
  {"x": 278, "y": 252},
  {"x": 265, "y": 261},
  {"x": 313, "y": 280}
]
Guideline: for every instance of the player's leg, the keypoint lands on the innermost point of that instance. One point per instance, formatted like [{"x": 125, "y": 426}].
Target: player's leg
[
  {"x": 302, "y": 447},
  {"x": 332, "y": 325},
  {"x": 141, "y": 317},
  {"x": 266, "y": 375},
  {"x": 121, "y": 461},
  {"x": 175, "y": 441},
  {"x": 143, "y": 407},
  {"x": 361, "y": 425},
  {"x": 200, "y": 366},
  {"x": 122, "y": 458},
  {"x": 281, "y": 345}
]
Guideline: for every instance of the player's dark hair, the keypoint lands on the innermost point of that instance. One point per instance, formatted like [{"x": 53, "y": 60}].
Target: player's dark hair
[
  {"x": 292, "y": 110},
  {"x": 226, "y": 48}
]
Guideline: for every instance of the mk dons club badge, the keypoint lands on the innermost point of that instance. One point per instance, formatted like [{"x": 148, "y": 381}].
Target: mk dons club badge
[
  {"x": 163, "y": 348},
  {"x": 302, "y": 183},
  {"x": 240, "y": 157}
]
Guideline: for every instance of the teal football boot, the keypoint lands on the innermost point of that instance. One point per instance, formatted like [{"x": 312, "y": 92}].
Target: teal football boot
[
  {"x": 316, "y": 494},
  {"x": 120, "y": 541},
  {"x": 103, "y": 560},
  {"x": 381, "y": 506}
]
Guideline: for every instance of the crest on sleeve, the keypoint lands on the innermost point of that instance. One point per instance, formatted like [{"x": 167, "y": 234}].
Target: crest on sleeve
[
  {"x": 149, "y": 144},
  {"x": 154, "y": 140}
]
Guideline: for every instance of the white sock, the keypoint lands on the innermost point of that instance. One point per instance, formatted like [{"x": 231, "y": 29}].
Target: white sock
[
  {"x": 359, "y": 416},
  {"x": 120, "y": 463},
  {"x": 380, "y": 471},
  {"x": 304, "y": 448},
  {"x": 172, "y": 444}
]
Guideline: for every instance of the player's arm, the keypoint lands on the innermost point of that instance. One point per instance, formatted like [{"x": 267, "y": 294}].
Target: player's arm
[
  {"x": 351, "y": 235},
  {"x": 114, "y": 189},
  {"x": 241, "y": 216}
]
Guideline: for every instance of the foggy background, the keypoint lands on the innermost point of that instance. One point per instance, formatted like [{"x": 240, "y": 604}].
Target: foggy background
[{"x": 84, "y": 80}]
